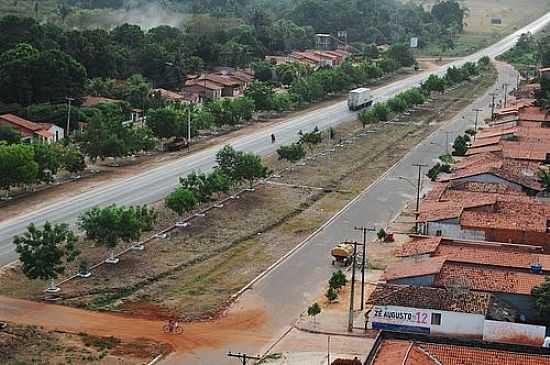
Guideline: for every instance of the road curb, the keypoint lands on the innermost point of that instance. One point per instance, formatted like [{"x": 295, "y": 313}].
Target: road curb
[
  {"x": 312, "y": 235},
  {"x": 331, "y": 333}
]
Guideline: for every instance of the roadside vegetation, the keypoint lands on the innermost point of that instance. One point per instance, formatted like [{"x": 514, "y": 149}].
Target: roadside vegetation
[{"x": 192, "y": 271}]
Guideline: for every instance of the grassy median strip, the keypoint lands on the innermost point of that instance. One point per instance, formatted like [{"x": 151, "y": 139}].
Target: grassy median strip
[{"x": 193, "y": 273}]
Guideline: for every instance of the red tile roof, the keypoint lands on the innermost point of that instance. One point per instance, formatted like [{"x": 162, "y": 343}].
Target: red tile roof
[
  {"x": 418, "y": 245},
  {"x": 517, "y": 214},
  {"x": 170, "y": 95},
  {"x": 429, "y": 298},
  {"x": 406, "y": 352},
  {"x": 23, "y": 123},
  {"x": 534, "y": 113},
  {"x": 482, "y": 150},
  {"x": 494, "y": 254},
  {"x": 486, "y": 141},
  {"x": 488, "y": 279},
  {"x": 426, "y": 267}
]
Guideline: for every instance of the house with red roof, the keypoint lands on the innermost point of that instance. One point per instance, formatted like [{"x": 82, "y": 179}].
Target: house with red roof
[
  {"x": 392, "y": 348},
  {"x": 32, "y": 131}
]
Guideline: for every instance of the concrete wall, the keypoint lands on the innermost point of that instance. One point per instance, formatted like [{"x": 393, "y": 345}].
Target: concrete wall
[
  {"x": 514, "y": 333},
  {"x": 426, "y": 280},
  {"x": 451, "y": 228}
]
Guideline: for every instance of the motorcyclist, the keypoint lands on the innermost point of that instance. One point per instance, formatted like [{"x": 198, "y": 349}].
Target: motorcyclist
[{"x": 272, "y": 138}]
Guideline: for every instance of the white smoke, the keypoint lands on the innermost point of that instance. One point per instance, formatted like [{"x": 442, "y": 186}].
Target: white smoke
[{"x": 146, "y": 15}]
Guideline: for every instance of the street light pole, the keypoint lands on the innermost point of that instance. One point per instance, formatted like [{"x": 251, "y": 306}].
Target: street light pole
[
  {"x": 475, "y": 125},
  {"x": 364, "y": 262},
  {"x": 420, "y": 166},
  {"x": 505, "y": 94},
  {"x": 352, "y": 291},
  {"x": 493, "y": 106},
  {"x": 189, "y": 128},
  {"x": 69, "y": 100}
]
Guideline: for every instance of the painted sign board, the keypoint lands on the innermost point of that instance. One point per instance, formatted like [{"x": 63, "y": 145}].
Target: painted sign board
[
  {"x": 414, "y": 42},
  {"x": 400, "y": 319}
]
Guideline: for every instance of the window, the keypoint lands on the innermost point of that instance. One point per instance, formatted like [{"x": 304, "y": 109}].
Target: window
[{"x": 436, "y": 319}]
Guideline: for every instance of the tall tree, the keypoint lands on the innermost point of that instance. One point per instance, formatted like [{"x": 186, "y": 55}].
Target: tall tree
[
  {"x": 110, "y": 225},
  {"x": 45, "y": 253}
]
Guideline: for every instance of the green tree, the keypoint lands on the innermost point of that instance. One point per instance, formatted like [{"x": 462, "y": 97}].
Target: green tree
[
  {"x": 434, "y": 83},
  {"x": 45, "y": 253},
  {"x": 226, "y": 158},
  {"x": 541, "y": 293},
  {"x": 262, "y": 71},
  {"x": 9, "y": 135},
  {"x": 261, "y": 93},
  {"x": 367, "y": 117},
  {"x": 397, "y": 104},
  {"x": 337, "y": 280},
  {"x": 181, "y": 200},
  {"x": 460, "y": 146},
  {"x": 110, "y": 225},
  {"x": 49, "y": 158},
  {"x": 331, "y": 295},
  {"x": 314, "y": 310},
  {"x": 165, "y": 122},
  {"x": 249, "y": 167},
  {"x": 16, "y": 74},
  {"x": 381, "y": 111},
  {"x": 311, "y": 138},
  {"x": 293, "y": 152},
  {"x": 281, "y": 102},
  {"x": 17, "y": 165}
]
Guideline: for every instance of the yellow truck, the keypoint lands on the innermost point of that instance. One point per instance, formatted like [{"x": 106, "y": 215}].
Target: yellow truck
[{"x": 342, "y": 254}]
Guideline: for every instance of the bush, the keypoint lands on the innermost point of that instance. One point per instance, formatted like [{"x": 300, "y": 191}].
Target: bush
[
  {"x": 367, "y": 117},
  {"x": 337, "y": 280},
  {"x": 331, "y": 295},
  {"x": 293, "y": 152},
  {"x": 484, "y": 61},
  {"x": 433, "y": 173},
  {"x": 381, "y": 234},
  {"x": 397, "y": 104},
  {"x": 381, "y": 111}
]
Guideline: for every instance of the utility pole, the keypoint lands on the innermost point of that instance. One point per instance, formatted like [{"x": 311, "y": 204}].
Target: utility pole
[
  {"x": 328, "y": 350},
  {"x": 351, "y": 299},
  {"x": 506, "y": 94},
  {"x": 420, "y": 166},
  {"x": 363, "y": 261},
  {"x": 69, "y": 100},
  {"x": 493, "y": 106},
  {"x": 475, "y": 125},
  {"x": 189, "y": 128},
  {"x": 447, "y": 142},
  {"x": 243, "y": 357}
]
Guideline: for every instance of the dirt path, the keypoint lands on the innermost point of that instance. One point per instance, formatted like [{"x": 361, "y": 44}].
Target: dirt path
[{"x": 197, "y": 335}]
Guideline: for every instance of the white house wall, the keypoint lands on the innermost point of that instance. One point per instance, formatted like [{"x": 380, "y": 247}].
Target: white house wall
[{"x": 406, "y": 319}]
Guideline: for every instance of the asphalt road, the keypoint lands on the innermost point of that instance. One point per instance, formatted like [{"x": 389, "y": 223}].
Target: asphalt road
[{"x": 154, "y": 184}]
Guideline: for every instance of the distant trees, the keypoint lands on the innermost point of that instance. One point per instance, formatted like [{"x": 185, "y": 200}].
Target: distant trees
[
  {"x": 45, "y": 253},
  {"x": 9, "y": 135},
  {"x": 28, "y": 75},
  {"x": 107, "y": 137},
  {"x": 449, "y": 13},
  {"x": 110, "y": 225}
]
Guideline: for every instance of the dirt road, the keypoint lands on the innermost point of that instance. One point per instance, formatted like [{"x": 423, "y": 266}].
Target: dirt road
[{"x": 240, "y": 326}]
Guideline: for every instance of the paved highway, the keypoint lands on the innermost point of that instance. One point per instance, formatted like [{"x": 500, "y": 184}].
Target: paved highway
[{"x": 154, "y": 184}]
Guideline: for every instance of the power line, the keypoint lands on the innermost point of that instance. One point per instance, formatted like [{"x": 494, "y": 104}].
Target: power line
[{"x": 420, "y": 166}]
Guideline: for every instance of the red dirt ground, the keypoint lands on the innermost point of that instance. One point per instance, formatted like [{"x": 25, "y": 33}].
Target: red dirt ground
[{"x": 236, "y": 326}]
